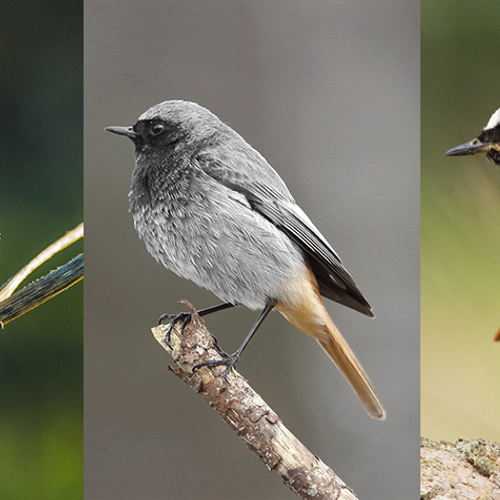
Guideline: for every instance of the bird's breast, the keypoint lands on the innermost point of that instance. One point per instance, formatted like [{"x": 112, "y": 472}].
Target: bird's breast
[{"x": 212, "y": 237}]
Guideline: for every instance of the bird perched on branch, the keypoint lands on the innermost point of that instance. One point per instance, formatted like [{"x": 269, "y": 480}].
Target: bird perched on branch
[
  {"x": 210, "y": 208},
  {"x": 488, "y": 141}
]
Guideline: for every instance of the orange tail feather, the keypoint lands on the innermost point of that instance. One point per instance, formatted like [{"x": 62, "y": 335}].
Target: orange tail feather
[{"x": 303, "y": 306}]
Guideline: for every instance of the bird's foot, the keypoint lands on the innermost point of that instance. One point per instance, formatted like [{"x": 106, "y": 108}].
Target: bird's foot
[
  {"x": 219, "y": 349},
  {"x": 229, "y": 360},
  {"x": 171, "y": 320}
]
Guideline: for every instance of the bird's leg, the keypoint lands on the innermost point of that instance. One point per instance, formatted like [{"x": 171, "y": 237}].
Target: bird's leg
[
  {"x": 185, "y": 317},
  {"x": 230, "y": 360}
]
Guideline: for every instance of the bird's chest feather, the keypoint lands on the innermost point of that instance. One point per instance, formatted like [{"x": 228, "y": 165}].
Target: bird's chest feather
[
  {"x": 208, "y": 233},
  {"x": 170, "y": 217}
]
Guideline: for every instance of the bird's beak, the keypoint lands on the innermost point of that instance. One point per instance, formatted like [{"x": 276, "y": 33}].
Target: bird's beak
[
  {"x": 469, "y": 148},
  {"x": 128, "y": 131}
]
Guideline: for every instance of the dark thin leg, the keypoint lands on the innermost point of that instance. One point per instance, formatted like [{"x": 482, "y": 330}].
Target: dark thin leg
[
  {"x": 230, "y": 360},
  {"x": 214, "y": 309},
  {"x": 201, "y": 312},
  {"x": 185, "y": 317}
]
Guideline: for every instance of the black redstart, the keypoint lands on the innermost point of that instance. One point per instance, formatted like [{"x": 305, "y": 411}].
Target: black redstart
[{"x": 210, "y": 208}]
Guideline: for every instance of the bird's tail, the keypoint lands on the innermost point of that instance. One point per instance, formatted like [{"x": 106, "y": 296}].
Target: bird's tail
[
  {"x": 306, "y": 311},
  {"x": 341, "y": 354}
]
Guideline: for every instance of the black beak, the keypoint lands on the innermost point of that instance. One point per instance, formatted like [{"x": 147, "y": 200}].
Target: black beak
[
  {"x": 469, "y": 148},
  {"x": 128, "y": 131}
]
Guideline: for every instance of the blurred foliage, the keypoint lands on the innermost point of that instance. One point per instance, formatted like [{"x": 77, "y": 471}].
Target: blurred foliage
[
  {"x": 41, "y": 197},
  {"x": 460, "y": 222}
]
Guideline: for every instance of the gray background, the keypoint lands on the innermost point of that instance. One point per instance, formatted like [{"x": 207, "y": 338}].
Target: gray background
[{"x": 329, "y": 93}]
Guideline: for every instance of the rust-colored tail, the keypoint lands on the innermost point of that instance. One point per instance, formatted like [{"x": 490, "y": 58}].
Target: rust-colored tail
[
  {"x": 303, "y": 306},
  {"x": 341, "y": 354}
]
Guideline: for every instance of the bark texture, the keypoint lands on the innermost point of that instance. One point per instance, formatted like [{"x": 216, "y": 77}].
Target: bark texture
[
  {"x": 465, "y": 470},
  {"x": 246, "y": 413}
]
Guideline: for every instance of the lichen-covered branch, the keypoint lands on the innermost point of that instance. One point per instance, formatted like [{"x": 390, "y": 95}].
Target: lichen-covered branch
[
  {"x": 13, "y": 305},
  {"x": 467, "y": 469},
  {"x": 41, "y": 290},
  {"x": 249, "y": 416}
]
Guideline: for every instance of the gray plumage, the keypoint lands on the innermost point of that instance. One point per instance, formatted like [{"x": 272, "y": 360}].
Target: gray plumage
[{"x": 210, "y": 208}]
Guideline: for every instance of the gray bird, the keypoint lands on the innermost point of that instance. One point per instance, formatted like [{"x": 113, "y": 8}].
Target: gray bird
[
  {"x": 487, "y": 141},
  {"x": 211, "y": 209}
]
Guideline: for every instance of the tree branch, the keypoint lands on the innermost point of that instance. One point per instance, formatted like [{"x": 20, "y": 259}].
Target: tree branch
[
  {"x": 255, "y": 423},
  {"x": 13, "y": 306},
  {"x": 466, "y": 469},
  {"x": 41, "y": 290},
  {"x": 70, "y": 237}
]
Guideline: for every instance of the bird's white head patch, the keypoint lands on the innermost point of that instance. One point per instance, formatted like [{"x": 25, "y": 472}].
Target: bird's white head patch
[{"x": 494, "y": 120}]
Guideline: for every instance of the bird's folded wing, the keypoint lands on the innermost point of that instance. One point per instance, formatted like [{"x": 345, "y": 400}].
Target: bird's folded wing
[{"x": 279, "y": 207}]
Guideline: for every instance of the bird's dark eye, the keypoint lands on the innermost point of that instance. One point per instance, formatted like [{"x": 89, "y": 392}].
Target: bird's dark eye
[{"x": 157, "y": 128}]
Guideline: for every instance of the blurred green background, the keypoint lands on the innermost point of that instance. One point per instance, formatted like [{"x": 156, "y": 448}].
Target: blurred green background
[
  {"x": 460, "y": 222},
  {"x": 41, "y": 197}
]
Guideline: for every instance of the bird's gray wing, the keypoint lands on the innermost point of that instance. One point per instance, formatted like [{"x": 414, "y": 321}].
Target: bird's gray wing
[{"x": 271, "y": 199}]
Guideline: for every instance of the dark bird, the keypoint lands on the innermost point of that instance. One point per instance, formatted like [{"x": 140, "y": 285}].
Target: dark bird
[
  {"x": 488, "y": 141},
  {"x": 210, "y": 208}
]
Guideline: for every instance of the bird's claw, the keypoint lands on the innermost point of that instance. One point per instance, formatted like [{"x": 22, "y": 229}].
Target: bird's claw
[
  {"x": 168, "y": 318},
  {"x": 219, "y": 349},
  {"x": 185, "y": 317},
  {"x": 229, "y": 360}
]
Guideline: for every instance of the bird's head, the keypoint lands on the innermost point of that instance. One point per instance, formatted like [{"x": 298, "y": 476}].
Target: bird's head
[
  {"x": 487, "y": 141},
  {"x": 170, "y": 123}
]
